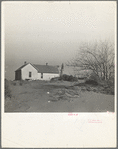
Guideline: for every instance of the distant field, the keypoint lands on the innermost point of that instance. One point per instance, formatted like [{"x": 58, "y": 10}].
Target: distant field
[{"x": 57, "y": 96}]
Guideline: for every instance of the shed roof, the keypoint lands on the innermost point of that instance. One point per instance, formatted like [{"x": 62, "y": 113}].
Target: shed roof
[{"x": 42, "y": 68}]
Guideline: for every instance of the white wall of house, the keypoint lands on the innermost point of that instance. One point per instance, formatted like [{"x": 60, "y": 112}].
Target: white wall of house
[
  {"x": 47, "y": 76},
  {"x": 39, "y": 76},
  {"x": 25, "y": 72},
  {"x": 34, "y": 74}
]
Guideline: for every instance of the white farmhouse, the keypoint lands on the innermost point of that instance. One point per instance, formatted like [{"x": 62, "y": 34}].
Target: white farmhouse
[{"x": 36, "y": 72}]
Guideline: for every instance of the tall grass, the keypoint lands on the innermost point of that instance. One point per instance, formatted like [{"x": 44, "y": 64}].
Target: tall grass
[{"x": 7, "y": 89}]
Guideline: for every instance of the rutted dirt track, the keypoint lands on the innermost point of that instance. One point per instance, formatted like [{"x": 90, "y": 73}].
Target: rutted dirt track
[{"x": 42, "y": 96}]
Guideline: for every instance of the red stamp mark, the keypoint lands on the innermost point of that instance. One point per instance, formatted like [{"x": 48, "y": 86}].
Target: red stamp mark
[
  {"x": 94, "y": 121},
  {"x": 110, "y": 112},
  {"x": 72, "y": 114}
]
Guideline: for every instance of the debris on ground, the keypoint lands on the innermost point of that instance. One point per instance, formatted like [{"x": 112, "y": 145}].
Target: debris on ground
[
  {"x": 70, "y": 92},
  {"x": 64, "y": 94}
]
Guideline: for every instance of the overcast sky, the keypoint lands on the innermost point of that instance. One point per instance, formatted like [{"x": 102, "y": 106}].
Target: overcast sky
[{"x": 40, "y": 32}]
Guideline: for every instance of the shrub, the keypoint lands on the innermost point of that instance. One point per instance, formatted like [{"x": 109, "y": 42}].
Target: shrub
[
  {"x": 14, "y": 83},
  {"x": 64, "y": 77},
  {"x": 21, "y": 83},
  {"x": 27, "y": 79},
  {"x": 68, "y": 78},
  {"x": 92, "y": 79},
  {"x": 7, "y": 89},
  {"x": 54, "y": 79},
  {"x": 109, "y": 86}
]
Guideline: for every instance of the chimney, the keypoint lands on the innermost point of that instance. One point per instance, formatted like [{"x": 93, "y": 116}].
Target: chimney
[
  {"x": 46, "y": 64},
  {"x": 25, "y": 63}
]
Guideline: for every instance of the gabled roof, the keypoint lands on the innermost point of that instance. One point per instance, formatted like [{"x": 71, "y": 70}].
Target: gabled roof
[
  {"x": 46, "y": 68},
  {"x": 42, "y": 68},
  {"x": 22, "y": 67}
]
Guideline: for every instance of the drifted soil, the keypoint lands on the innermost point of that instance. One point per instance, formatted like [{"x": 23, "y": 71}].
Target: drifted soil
[{"x": 57, "y": 96}]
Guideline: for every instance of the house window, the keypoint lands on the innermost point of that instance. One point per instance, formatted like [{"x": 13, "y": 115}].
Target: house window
[
  {"x": 41, "y": 75},
  {"x": 30, "y": 74}
]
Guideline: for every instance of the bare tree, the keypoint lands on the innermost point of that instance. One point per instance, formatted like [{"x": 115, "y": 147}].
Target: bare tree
[{"x": 98, "y": 57}]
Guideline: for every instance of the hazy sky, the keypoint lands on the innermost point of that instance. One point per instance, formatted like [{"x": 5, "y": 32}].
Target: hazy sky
[{"x": 40, "y": 32}]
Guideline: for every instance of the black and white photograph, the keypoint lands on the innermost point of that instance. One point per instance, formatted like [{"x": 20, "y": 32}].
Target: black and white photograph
[{"x": 59, "y": 57}]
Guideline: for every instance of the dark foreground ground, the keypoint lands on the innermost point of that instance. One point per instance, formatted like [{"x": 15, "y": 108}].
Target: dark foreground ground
[{"x": 58, "y": 96}]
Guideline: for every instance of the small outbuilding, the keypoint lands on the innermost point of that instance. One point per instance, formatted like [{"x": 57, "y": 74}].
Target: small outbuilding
[{"x": 36, "y": 72}]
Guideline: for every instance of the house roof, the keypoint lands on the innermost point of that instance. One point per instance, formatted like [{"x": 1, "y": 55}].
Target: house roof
[
  {"x": 42, "y": 68},
  {"x": 21, "y": 67},
  {"x": 46, "y": 68}
]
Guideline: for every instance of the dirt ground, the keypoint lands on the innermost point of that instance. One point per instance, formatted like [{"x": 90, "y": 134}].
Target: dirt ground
[{"x": 58, "y": 96}]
